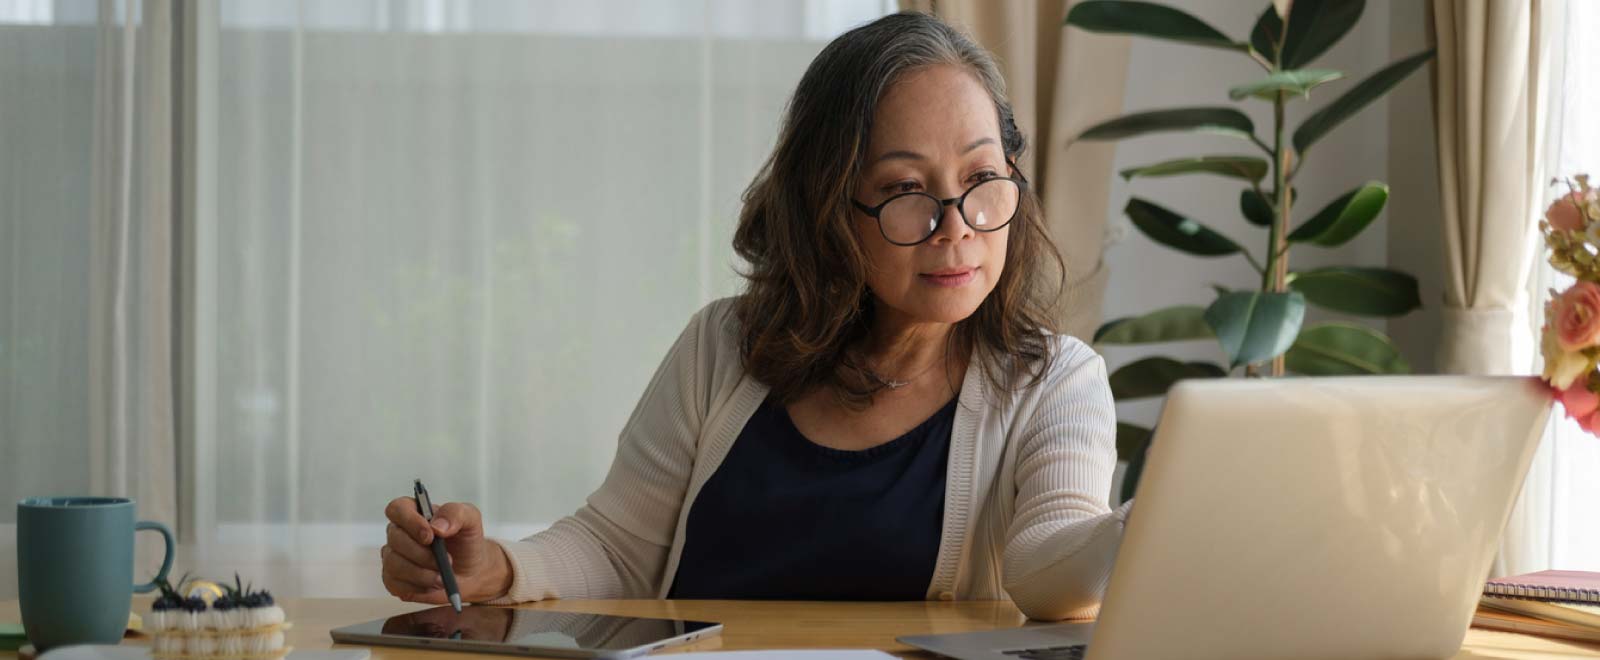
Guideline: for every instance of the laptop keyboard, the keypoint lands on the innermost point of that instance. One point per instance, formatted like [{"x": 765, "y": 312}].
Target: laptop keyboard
[{"x": 1074, "y": 652}]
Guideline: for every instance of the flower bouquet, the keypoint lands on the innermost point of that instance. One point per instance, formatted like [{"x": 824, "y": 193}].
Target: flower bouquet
[{"x": 1570, "y": 339}]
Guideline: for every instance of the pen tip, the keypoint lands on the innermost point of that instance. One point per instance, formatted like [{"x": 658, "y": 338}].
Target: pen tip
[{"x": 455, "y": 601}]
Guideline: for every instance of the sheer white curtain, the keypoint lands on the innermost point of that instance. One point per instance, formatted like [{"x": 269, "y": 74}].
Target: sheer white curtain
[
  {"x": 262, "y": 262},
  {"x": 1560, "y": 505},
  {"x": 452, "y": 240},
  {"x": 86, "y": 397}
]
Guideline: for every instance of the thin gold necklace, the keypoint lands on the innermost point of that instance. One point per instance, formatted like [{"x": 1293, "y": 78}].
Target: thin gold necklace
[{"x": 897, "y": 384}]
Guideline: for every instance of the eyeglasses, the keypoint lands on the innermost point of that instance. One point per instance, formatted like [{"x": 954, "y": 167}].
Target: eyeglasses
[{"x": 911, "y": 218}]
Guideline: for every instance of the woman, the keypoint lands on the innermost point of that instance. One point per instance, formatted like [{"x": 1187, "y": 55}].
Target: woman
[{"x": 885, "y": 413}]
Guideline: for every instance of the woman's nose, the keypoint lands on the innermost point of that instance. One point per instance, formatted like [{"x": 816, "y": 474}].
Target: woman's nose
[{"x": 951, "y": 227}]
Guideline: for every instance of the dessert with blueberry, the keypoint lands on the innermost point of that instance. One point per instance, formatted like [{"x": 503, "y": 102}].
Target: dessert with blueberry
[{"x": 242, "y": 624}]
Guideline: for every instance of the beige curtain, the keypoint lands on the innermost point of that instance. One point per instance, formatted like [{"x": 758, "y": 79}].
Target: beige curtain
[
  {"x": 132, "y": 441},
  {"x": 1489, "y": 98},
  {"x": 1060, "y": 81},
  {"x": 1489, "y": 116}
]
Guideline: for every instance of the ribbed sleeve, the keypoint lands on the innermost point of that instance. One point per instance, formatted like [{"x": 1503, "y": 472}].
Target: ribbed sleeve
[
  {"x": 1063, "y": 538},
  {"x": 616, "y": 545}
]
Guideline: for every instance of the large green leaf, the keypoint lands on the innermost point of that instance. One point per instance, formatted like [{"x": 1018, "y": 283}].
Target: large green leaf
[
  {"x": 1227, "y": 121},
  {"x": 1260, "y": 210},
  {"x": 1147, "y": 19},
  {"x": 1254, "y": 207},
  {"x": 1343, "y": 218},
  {"x": 1175, "y": 231},
  {"x": 1248, "y": 168},
  {"x": 1170, "y": 324},
  {"x": 1365, "y": 92},
  {"x": 1152, "y": 376},
  {"x": 1131, "y": 440},
  {"x": 1267, "y": 33},
  {"x": 1340, "y": 349},
  {"x": 1314, "y": 27},
  {"x": 1363, "y": 291},
  {"x": 1254, "y": 325},
  {"x": 1298, "y": 82}
]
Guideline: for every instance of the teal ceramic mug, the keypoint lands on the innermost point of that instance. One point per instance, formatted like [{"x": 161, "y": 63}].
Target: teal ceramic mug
[{"x": 75, "y": 568}]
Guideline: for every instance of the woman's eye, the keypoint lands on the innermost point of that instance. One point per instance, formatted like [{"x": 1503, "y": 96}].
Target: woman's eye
[
  {"x": 901, "y": 187},
  {"x": 984, "y": 176}
]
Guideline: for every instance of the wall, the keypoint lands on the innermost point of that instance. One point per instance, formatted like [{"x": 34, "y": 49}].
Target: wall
[{"x": 1416, "y": 237}]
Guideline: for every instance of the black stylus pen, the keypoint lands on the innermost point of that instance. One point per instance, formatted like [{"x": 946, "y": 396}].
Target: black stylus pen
[{"x": 425, "y": 507}]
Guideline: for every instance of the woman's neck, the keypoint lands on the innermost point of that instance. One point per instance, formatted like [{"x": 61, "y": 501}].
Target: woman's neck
[{"x": 903, "y": 349}]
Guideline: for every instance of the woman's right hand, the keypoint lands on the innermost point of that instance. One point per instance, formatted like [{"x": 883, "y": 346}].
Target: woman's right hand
[{"x": 483, "y": 573}]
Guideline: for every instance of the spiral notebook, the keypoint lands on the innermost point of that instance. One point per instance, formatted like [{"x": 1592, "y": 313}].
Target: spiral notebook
[{"x": 1571, "y": 586}]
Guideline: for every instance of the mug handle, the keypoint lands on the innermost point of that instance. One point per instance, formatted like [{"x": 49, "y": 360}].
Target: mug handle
[{"x": 166, "y": 562}]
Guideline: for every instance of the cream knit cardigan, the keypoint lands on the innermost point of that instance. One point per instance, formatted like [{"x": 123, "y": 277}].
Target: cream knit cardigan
[{"x": 1025, "y": 510}]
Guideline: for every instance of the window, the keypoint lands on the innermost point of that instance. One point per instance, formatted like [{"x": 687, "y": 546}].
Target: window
[
  {"x": 445, "y": 239},
  {"x": 1562, "y": 488}
]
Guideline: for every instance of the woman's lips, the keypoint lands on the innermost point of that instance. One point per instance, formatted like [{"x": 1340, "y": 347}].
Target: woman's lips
[{"x": 950, "y": 278}]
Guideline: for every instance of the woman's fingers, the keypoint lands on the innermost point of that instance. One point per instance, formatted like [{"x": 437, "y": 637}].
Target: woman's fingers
[
  {"x": 408, "y": 547},
  {"x": 413, "y": 576},
  {"x": 458, "y": 519},
  {"x": 410, "y": 571},
  {"x": 407, "y": 593},
  {"x": 402, "y": 512}
]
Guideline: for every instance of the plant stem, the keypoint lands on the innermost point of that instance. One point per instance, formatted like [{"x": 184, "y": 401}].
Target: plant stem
[
  {"x": 1269, "y": 66},
  {"x": 1273, "y": 253},
  {"x": 1278, "y": 253},
  {"x": 1259, "y": 143}
]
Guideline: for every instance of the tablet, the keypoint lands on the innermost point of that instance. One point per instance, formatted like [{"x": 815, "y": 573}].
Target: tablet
[{"x": 513, "y": 631}]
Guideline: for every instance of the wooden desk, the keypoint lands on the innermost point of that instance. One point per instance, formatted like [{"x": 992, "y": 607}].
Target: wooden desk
[{"x": 783, "y": 625}]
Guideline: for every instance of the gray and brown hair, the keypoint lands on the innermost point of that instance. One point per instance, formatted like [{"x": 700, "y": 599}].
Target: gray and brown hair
[{"x": 805, "y": 302}]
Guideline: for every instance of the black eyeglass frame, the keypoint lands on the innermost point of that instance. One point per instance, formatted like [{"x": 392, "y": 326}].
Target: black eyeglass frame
[{"x": 959, "y": 202}]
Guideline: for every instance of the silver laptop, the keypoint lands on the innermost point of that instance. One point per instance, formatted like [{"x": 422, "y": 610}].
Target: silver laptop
[{"x": 1305, "y": 518}]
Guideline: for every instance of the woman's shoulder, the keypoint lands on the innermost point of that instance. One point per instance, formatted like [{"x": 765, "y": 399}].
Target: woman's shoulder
[
  {"x": 718, "y": 323},
  {"x": 1068, "y": 351},
  {"x": 1074, "y": 364},
  {"x": 1064, "y": 355},
  {"x": 1069, "y": 364},
  {"x": 713, "y": 332}
]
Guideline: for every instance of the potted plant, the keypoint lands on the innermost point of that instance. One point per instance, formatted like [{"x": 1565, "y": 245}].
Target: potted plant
[{"x": 1261, "y": 331}]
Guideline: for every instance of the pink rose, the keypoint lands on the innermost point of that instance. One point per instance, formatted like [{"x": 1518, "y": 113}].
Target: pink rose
[
  {"x": 1565, "y": 214},
  {"x": 1579, "y": 401},
  {"x": 1590, "y": 423},
  {"x": 1582, "y": 405},
  {"x": 1561, "y": 367},
  {"x": 1577, "y": 316}
]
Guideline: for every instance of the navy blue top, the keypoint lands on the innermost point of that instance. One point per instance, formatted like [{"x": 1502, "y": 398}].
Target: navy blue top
[{"x": 784, "y": 518}]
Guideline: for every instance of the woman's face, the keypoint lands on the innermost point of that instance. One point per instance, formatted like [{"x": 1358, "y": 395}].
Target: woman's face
[{"x": 935, "y": 132}]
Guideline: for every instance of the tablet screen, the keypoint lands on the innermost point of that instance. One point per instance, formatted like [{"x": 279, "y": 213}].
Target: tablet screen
[{"x": 521, "y": 627}]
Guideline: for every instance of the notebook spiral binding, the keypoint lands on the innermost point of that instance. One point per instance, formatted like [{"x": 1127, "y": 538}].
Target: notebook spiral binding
[{"x": 1544, "y": 593}]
